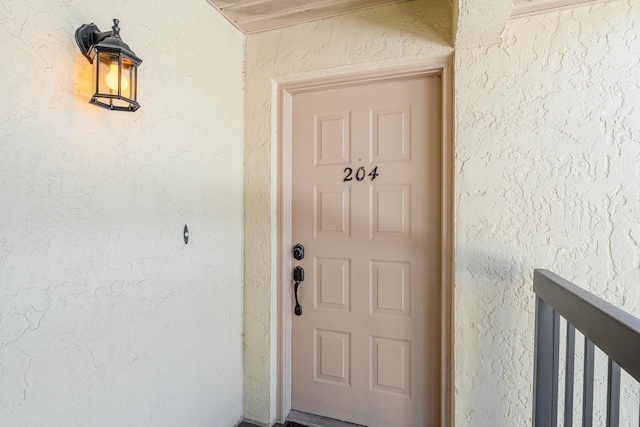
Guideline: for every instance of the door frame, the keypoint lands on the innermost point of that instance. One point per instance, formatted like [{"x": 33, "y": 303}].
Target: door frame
[{"x": 440, "y": 67}]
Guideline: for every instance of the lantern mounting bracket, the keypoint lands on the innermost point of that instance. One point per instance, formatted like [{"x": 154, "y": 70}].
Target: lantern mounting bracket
[{"x": 88, "y": 35}]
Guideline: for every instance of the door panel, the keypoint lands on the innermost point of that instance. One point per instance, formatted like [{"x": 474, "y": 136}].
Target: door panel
[
  {"x": 332, "y": 284},
  {"x": 366, "y": 203}
]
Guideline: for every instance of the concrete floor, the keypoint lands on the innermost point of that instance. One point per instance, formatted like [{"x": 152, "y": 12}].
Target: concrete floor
[
  {"x": 308, "y": 420},
  {"x": 246, "y": 424}
]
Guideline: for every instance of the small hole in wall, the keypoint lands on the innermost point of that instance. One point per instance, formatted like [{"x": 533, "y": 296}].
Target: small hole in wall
[{"x": 185, "y": 234}]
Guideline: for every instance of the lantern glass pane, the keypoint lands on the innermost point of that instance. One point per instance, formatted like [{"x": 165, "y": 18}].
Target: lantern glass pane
[
  {"x": 108, "y": 73},
  {"x": 97, "y": 72},
  {"x": 128, "y": 78}
]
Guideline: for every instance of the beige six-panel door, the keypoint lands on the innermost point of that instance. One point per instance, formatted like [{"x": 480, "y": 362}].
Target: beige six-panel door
[{"x": 366, "y": 205}]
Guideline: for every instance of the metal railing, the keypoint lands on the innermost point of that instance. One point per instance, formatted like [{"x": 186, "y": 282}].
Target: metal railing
[{"x": 612, "y": 330}]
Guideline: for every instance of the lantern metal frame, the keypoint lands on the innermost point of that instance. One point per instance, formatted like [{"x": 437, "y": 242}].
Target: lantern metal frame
[{"x": 93, "y": 44}]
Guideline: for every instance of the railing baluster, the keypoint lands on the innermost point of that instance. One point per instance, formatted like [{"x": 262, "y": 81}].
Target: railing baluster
[
  {"x": 556, "y": 368},
  {"x": 587, "y": 384},
  {"x": 545, "y": 404},
  {"x": 613, "y": 395},
  {"x": 568, "y": 376}
]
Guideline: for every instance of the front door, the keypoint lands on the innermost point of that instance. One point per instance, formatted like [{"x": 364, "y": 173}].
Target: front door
[{"x": 366, "y": 206}]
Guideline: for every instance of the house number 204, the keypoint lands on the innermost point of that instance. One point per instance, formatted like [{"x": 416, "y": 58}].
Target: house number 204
[{"x": 360, "y": 174}]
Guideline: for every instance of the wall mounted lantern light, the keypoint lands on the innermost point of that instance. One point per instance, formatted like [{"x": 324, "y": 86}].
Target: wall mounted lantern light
[{"x": 115, "y": 67}]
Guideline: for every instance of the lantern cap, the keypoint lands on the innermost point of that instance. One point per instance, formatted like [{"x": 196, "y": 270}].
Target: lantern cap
[{"x": 91, "y": 40}]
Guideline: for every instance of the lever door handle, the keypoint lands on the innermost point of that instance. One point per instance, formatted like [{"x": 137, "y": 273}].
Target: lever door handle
[{"x": 298, "y": 277}]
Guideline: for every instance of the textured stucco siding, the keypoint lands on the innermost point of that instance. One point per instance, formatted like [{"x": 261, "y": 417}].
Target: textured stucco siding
[
  {"x": 547, "y": 176},
  {"x": 106, "y": 317},
  {"x": 479, "y": 22},
  {"x": 546, "y": 172},
  {"x": 389, "y": 36}
]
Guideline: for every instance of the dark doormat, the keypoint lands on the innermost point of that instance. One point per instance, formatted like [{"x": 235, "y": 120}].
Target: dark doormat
[{"x": 292, "y": 424}]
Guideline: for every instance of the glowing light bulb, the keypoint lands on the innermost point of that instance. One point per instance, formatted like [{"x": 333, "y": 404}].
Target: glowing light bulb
[{"x": 112, "y": 79}]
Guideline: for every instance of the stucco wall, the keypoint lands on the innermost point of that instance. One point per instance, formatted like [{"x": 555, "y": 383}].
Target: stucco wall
[
  {"x": 479, "y": 22},
  {"x": 547, "y": 174},
  {"x": 389, "y": 36},
  {"x": 106, "y": 317}
]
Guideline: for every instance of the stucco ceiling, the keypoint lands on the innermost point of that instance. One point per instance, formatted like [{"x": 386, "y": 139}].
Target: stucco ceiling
[
  {"x": 475, "y": 22},
  {"x": 251, "y": 16}
]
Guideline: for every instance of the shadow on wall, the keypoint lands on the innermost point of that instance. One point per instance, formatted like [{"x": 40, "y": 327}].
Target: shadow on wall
[
  {"x": 491, "y": 267},
  {"x": 494, "y": 333}
]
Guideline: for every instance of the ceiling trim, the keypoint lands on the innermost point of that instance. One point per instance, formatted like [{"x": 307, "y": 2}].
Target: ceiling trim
[{"x": 534, "y": 7}]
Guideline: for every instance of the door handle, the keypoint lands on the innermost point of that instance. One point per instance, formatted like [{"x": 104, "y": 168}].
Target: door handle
[{"x": 298, "y": 277}]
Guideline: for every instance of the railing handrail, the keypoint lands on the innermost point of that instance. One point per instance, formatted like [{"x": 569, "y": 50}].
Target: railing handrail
[{"x": 614, "y": 331}]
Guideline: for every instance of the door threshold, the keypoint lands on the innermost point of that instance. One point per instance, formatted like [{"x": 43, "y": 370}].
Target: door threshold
[{"x": 311, "y": 420}]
